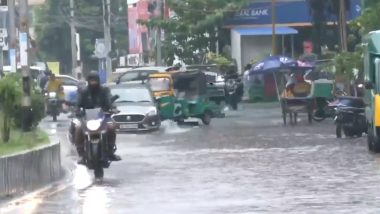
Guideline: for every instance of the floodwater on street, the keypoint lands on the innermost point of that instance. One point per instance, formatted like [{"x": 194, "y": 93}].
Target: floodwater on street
[{"x": 247, "y": 162}]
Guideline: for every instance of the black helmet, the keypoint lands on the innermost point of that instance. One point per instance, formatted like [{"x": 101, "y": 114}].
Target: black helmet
[{"x": 93, "y": 75}]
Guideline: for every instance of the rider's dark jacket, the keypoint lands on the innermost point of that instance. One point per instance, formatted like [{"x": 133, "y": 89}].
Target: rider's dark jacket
[{"x": 100, "y": 98}]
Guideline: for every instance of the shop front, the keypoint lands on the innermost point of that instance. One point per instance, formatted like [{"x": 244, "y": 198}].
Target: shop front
[{"x": 251, "y": 32}]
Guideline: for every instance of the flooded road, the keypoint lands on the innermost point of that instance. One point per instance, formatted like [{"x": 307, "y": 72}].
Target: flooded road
[{"x": 246, "y": 163}]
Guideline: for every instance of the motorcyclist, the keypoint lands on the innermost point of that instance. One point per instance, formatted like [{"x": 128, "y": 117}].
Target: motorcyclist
[
  {"x": 44, "y": 79},
  {"x": 95, "y": 96},
  {"x": 73, "y": 97},
  {"x": 54, "y": 85}
]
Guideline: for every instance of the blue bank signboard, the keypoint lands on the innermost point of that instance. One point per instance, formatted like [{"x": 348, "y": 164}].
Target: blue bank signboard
[{"x": 286, "y": 13}]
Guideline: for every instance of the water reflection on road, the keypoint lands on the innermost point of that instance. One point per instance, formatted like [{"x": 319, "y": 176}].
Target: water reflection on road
[{"x": 245, "y": 163}]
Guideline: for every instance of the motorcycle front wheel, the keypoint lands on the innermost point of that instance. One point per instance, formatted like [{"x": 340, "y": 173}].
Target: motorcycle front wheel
[
  {"x": 98, "y": 172},
  {"x": 54, "y": 118}
]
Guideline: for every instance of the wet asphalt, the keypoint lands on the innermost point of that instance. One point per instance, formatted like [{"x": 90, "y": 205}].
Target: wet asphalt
[{"x": 247, "y": 162}]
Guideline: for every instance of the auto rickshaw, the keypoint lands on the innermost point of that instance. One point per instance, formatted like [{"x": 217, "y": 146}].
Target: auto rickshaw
[
  {"x": 163, "y": 91},
  {"x": 182, "y": 95}
]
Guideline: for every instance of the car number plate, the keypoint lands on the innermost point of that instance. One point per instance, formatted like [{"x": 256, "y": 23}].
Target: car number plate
[{"x": 129, "y": 126}]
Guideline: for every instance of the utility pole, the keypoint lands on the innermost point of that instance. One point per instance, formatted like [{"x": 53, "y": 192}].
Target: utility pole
[
  {"x": 273, "y": 27},
  {"x": 343, "y": 25},
  {"x": 3, "y": 26},
  {"x": 12, "y": 34},
  {"x": 107, "y": 36},
  {"x": 24, "y": 61},
  {"x": 158, "y": 35},
  {"x": 73, "y": 39}
]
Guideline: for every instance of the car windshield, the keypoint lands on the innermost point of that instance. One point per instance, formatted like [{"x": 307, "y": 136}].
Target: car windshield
[
  {"x": 159, "y": 84},
  {"x": 132, "y": 95},
  {"x": 130, "y": 76},
  {"x": 136, "y": 75}
]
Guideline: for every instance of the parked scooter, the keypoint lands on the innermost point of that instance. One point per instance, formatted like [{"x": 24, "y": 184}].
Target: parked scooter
[
  {"x": 326, "y": 108},
  {"x": 350, "y": 117}
]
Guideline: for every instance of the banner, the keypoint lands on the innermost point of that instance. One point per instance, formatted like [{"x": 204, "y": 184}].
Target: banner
[{"x": 54, "y": 67}]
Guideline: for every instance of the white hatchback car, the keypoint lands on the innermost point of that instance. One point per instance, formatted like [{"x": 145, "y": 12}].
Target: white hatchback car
[{"x": 69, "y": 83}]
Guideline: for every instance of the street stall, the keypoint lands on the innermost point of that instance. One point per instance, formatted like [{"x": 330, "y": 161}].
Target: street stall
[{"x": 295, "y": 96}]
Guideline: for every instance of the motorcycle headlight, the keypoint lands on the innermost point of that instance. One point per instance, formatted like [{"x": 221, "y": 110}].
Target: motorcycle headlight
[
  {"x": 152, "y": 112},
  {"x": 93, "y": 125},
  {"x": 52, "y": 94}
]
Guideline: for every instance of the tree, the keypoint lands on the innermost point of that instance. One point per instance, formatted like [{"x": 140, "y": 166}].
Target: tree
[
  {"x": 195, "y": 28},
  {"x": 10, "y": 96},
  {"x": 368, "y": 21},
  {"x": 322, "y": 12},
  {"x": 53, "y": 31}
]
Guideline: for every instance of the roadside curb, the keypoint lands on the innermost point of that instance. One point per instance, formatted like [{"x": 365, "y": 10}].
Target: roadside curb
[{"x": 30, "y": 170}]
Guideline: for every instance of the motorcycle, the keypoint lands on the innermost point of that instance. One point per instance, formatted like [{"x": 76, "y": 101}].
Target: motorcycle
[
  {"x": 94, "y": 124},
  {"x": 350, "y": 117},
  {"x": 326, "y": 108},
  {"x": 53, "y": 105}
]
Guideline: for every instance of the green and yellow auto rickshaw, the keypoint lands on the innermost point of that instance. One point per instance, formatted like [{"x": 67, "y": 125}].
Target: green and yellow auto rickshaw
[{"x": 182, "y": 95}]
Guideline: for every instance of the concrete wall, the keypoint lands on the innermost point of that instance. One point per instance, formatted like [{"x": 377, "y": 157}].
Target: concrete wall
[
  {"x": 235, "y": 48},
  {"x": 254, "y": 46},
  {"x": 30, "y": 171}
]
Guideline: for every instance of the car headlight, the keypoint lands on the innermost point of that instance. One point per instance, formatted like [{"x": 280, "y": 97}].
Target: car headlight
[
  {"x": 152, "y": 112},
  {"x": 93, "y": 125},
  {"x": 52, "y": 94}
]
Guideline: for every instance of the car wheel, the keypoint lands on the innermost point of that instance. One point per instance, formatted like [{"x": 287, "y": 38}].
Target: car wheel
[{"x": 206, "y": 118}]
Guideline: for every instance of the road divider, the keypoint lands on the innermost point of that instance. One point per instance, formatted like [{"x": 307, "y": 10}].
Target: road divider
[{"x": 30, "y": 170}]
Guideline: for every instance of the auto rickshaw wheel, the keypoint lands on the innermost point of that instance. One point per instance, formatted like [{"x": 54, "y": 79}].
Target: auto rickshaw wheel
[{"x": 206, "y": 118}]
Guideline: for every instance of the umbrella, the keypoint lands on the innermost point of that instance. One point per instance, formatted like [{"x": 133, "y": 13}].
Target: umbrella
[{"x": 273, "y": 64}]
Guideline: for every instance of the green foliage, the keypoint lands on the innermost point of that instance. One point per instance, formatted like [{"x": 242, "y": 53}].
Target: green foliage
[
  {"x": 202, "y": 20},
  {"x": 20, "y": 141},
  {"x": 349, "y": 64},
  {"x": 368, "y": 21},
  {"x": 10, "y": 97},
  {"x": 53, "y": 30},
  {"x": 38, "y": 103},
  {"x": 218, "y": 59},
  {"x": 10, "y": 104}
]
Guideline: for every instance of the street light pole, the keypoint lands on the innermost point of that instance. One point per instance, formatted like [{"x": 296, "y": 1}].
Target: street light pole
[
  {"x": 12, "y": 34},
  {"x": 343, "y": 25},
  {"x": 158, "y": 36},
  {"x": 273, "y": 27},
  {"x": 107, "y": 36},
  {"x": 73, "y": 39},
  {"x": 24, "y": 61}
]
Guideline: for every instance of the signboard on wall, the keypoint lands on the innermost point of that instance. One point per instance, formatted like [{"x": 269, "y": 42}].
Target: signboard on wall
[
  {"x": 286, "y": 13},
  {"x": 54, "y": 67}
]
